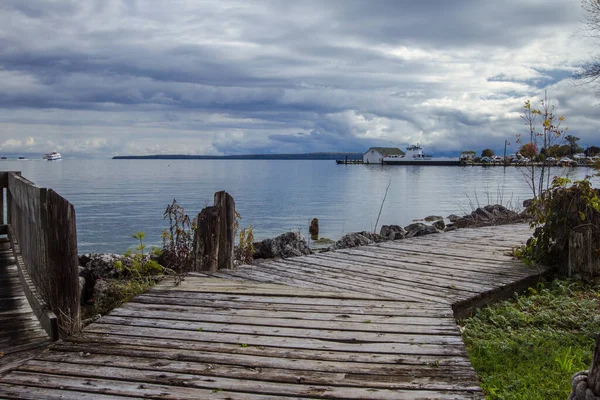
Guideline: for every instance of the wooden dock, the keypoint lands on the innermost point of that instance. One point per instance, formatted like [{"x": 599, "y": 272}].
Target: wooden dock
[
  {"x": 375, "y": 322},
  {"x": 20, "y": 331}
]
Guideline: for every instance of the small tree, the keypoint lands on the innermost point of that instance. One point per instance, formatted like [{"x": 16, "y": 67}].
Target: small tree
[
  {"x": 538, "y": 178},
  {"x": 591, "y": 69},
  {"x": 487, "y": 153},
  {"x": 529, "y": 150},
  {"x": 592, "y": 151},
  {"x": 574, "y": 148}
]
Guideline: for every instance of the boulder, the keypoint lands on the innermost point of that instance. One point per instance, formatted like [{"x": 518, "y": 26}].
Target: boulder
[
  {"x": 481, "y": 214},
  {"x": 452, "y": 217},
  {"x": 290, "y": 244},
  {"x": 419, "y": 229},
  {"x": 356, "y": 239},
  {"x": 105, "y": 292},
  {"x": 439, "y": 224},
  {"x": 493, "y": 214},
  {"x": 392, "y": 232},
  {"x": 433, "y": 218},
  {"x": 82, "y": 290},
  {"x": 99, "y": 265}
]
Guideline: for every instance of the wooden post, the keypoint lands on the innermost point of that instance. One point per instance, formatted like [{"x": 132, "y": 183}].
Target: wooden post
[
  {"x": 206, "y": 240},
  {"x": 582, "y": 260},
  {"x": 594, "y": 374},
  {"x": 62, "y": 262},
  {"x": 215, "y": 235},
  {"x": 314, "y": 229},
  {"x": 226, "y": 205}
]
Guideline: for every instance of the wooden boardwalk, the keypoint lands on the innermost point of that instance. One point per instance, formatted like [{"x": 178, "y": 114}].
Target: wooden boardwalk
[
  {"x": 375, "y": 322},
  {"x": 20, "y": 331}
]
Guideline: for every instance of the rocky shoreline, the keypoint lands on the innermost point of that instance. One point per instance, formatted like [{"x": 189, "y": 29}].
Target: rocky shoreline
[
  {"x": 292, "y": 244},
  {"x": 101, "y": 279}
]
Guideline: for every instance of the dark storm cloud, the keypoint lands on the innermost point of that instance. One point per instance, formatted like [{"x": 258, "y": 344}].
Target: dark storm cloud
[{"x": 272, "y": 75}]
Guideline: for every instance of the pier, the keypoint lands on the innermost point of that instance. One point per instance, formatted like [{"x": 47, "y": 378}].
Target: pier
[{"x": 372, "y": 322}]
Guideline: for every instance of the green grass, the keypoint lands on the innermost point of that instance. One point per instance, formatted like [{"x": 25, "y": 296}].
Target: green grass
[{"x": 530, "y": 346}]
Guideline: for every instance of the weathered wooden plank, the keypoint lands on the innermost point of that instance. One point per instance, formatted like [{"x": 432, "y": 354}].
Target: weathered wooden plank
[
  {"x": 446, "y": 272},
  {"x": 296, "y": 281},
  {"x": 339, "y": 280},
  {"x": 392, "y": 311},
  {"x": 171, "y": 390},
  {"x": 385, "y": 287},
  {"x": 288, "y": 298},
  {"x": 428, "y": 366},
  {"x": 442, "y": 264},
  {"x": 469, "y": 306},
  {"x": 107, "y": 342},
  {"x": 400, "y": 378},
  {"x": 27, "y": 392},
  {"x": 368, "y": 267},
  {"x": 358, "y": 336},
  {"x": 193, "y": 382},
  {"x": 408, "y": 325},
  {"x": 209, "y": 284},
  {"x": 511, "y": 267},
  {"x": 355, "y": 346}
]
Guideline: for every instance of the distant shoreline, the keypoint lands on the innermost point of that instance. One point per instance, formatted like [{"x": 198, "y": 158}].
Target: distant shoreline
[{"x": 305, "y": 156}]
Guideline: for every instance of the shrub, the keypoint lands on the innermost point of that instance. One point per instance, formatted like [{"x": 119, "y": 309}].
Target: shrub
[
  {"x": 557, "y": 212},
  {"x": 178, "y": 240}
]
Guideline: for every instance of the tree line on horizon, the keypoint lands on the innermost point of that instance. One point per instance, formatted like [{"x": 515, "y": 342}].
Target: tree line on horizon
[{"x": 530, "y": 150}]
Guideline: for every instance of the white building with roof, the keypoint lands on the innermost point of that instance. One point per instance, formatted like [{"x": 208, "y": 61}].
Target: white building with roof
[{"x": 375, "y": 154}]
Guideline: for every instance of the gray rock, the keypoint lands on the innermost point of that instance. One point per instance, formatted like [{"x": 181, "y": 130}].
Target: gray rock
[
  {"x": 82, "y": 289},
  {"x": 433, "y": 218},
  {"x": 452, "y": 217},
  {"x": 419, "y": 229},
  {"x": 99, "y": 265},
  {"x": 392, "y": 232},
  {"x": 493, "y": 214},
  {"x": 104, "y": 296},
  {"x": 290, "y": 244},
  {"x": 356, "y": 239},
  {"x": 464, "y": 222},
  {"x": 439, "y": 224},
  {"x": 482, "y": 214}
]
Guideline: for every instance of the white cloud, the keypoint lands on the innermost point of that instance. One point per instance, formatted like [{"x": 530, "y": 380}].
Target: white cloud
[{"x": 112, "y": 77}]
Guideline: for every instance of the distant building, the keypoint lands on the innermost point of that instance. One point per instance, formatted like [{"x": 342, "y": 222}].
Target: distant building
[
  {"x": 375, "y": 154},
  {"x": 467, "y": 156}
]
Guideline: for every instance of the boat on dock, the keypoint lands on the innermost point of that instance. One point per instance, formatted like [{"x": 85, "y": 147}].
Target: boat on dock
[{"x": 414, "y": 156}]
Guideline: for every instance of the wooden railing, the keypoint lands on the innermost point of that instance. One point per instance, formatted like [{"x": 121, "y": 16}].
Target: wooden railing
[{"x": 41, "y": 227}]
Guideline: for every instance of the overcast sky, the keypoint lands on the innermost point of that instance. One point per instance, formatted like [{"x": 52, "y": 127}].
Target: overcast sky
[{"x": 103, "y": 78}]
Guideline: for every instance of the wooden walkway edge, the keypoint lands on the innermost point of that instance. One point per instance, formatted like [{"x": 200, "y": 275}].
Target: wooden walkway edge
[
  {"x": 21, "y": 334},
  {"x": 374, "y": 322}
]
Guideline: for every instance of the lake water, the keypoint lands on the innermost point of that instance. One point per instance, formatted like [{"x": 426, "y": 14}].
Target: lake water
[{"x": 115, "y": 198}]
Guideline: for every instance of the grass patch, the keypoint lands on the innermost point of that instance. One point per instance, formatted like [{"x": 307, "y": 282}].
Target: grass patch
[{"x": 530, "y": 346}]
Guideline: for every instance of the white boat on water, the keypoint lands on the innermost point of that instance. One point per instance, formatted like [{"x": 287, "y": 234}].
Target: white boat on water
[
  {"x": 414, "y": 156},
  {"x": 52, "y": 156}
]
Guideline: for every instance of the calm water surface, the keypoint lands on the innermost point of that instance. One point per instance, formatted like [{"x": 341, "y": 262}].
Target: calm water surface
[{"x": 115, "y": 198}]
